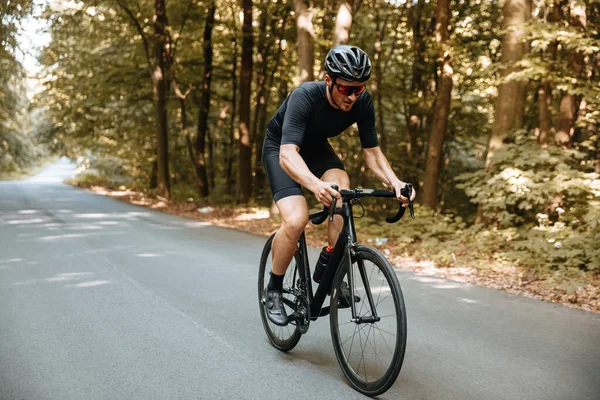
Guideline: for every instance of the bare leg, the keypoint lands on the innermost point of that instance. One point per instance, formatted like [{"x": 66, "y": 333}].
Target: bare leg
[
  {"x": 294, "y": 217},
  {"x": 340, "y": 177}
]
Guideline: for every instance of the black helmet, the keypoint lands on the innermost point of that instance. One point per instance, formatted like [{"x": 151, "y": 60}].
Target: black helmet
[{"x": 348, "y": 63}]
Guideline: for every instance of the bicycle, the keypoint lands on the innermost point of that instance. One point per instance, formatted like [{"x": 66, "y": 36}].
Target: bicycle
[{"x": 375, "y": 305}]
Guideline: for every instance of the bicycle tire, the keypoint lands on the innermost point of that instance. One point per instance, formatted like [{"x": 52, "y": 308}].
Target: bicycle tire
[
  {"x": 352, "y": 373},
  {"x": 284, "y": 342}
]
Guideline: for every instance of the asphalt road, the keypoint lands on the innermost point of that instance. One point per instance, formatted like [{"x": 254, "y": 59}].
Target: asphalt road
[{"x": 105, "y": 300}]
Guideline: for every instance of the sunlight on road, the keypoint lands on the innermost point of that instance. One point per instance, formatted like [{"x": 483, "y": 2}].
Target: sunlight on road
[
  {"x": 57, "y": 237},
  {"x": 148, "y": 255},
  {"x": 125, "y": 215},
  {"x": 11, "y": 261},
  {"x": 67, "y": 277},
  {"x": 88, "y": 284}
]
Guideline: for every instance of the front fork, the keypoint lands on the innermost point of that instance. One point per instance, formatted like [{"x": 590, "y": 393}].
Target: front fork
[{"x": 351, "y": 283}]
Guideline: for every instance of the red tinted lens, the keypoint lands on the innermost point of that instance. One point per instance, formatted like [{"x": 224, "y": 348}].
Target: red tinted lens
[
  {"x": 359, "y": 90},
  {"x": 349, "y": 90}
]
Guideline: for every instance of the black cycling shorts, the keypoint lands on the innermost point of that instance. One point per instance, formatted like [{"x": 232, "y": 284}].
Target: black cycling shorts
[{"x": 319, "y": 160}]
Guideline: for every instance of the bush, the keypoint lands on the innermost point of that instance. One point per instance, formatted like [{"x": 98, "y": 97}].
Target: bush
[{"x": 547, "y": 198}]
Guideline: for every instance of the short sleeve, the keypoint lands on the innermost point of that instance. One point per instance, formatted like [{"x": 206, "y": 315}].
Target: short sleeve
[
  {"x": 296, "y": 117},
  {"x": 366, "y": 123}
]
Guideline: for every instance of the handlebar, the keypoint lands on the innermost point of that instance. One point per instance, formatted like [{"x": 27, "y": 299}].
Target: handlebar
[
  {"x": 406, "y": 191},
  {"x": 359, "y": 193}
]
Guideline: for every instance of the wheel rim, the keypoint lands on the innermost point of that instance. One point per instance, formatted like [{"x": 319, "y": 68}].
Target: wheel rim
[{"x": 370, "y": 349}]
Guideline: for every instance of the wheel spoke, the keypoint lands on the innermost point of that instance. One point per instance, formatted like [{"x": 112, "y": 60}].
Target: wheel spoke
[
  {"x": 385, "y": 341},
  {"x": 376, "y": 367}
]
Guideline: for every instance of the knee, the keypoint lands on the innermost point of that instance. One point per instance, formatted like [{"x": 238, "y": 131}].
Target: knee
[
  {"x": 344, "y": 181},
  {"x": 340, "y": 177},
  {"x": 295, "y": 224}
]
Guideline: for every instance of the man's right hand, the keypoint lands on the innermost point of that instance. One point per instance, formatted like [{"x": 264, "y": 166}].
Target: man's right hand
[{"x": 325, "y": 193}]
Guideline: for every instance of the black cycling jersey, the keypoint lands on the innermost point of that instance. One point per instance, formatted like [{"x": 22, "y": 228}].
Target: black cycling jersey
[{"x": 306, "y": 119}]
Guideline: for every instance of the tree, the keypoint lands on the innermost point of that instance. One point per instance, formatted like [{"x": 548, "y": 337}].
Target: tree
[
  {"x": 245, "y": 147},
  {"x": 343, "y": 21},
  {"x": 545, "y": 89},
  {"x": 510, "y": 103},
  {"x": 160, "y": 72},
  {"x": 267, "y": 67},
  {"x": 442, "y": 107},
  {"x": 568, "y": 102},
  {"x": 159, "y": 62},
  {"x": 200, "y": 159},
  {"x": 305, "y": 32},
  {"x": 16, "y": 147},
  {"x": 416, "y": 115}
]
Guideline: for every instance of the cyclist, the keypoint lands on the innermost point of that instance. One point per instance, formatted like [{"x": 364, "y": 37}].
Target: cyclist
[{"x": 297, "y": 153}]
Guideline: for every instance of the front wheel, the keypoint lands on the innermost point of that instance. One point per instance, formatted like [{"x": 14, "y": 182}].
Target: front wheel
[
  {"x": 283, "y": 338},
  {"x": 370, "y": 347}
]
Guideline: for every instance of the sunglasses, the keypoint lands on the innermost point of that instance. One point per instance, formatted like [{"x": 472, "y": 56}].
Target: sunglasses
[{"x": 350, "y": 90}]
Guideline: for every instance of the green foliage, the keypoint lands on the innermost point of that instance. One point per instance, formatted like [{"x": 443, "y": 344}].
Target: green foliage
[
  {"x": 525, "y": 180},
  {"x": 557, "y": 246},
  {"x": 19, "y": 144},
  {"x": 548, "y": 197}
]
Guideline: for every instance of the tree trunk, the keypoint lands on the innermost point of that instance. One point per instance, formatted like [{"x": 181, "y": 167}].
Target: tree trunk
[
  {"x": 377, "y": 78},
  {"x": 262, "y": 65},
  {"x": 159, "y": 96},
  {"x": 154, "y": 174},
  {"x": 544, "y": 113},
  {"x": 264, "y": 48},
  {"x": 230, "y": 177},
  {"x": 220, "y": 146},
  {"x": 188, "y": 139},
  {"x": 597, "y": 169},
  {"x": 566, "y": 118},
  {"x": 306, "y": 52},
  {"x": 567, "y": 111},
  {"x": 245, "y": 155},
  {"x": 343, "y": 21},
  {"x": 282, "y": 92},
  {"x": 260, "y": 180},
  {"x": 205, "y": 102},
  {"x": 510, "y": 104},
  {"x": 415, "y": 116},
  {"x": 184, "y": 124},
  {"x": 211, "y": 159},
  {"x": 442, "y": 108},
  {"x": 545, "y": 88}
]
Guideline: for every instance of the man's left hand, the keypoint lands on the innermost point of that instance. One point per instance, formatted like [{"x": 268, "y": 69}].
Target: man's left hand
[{"x": 398, "y": 185}]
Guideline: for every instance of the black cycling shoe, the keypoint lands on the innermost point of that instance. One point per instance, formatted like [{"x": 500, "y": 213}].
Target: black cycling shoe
[
  {"x": 275, "y": 310},
  {"x": 344, "y": 297}
]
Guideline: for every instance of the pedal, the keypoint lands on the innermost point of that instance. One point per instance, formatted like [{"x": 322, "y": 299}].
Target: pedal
[{"x": 324, "y": 311}]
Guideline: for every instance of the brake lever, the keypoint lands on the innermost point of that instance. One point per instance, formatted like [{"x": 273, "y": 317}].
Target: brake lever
[
  {"x": 406, "y": 191},
  {"x": 333, "y": 203}
]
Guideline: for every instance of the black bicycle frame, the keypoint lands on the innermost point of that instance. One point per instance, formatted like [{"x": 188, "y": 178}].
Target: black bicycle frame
[{"x": 342, "y": 253}]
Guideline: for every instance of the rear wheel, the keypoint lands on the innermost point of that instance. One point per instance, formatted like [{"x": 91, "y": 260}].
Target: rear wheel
[
  {"x": 370, "y": 350},
  {"x": 283, "y": 338}
]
